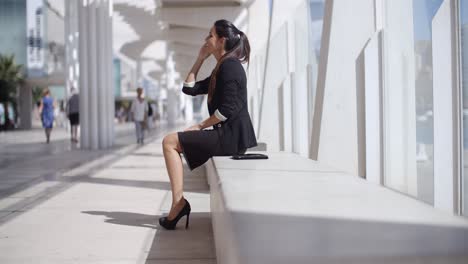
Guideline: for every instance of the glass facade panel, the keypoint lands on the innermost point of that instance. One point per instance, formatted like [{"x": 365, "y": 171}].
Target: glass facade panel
[
  {"x": 54, "y": 49},
  {"x": 399, "y": 97},
  {"x": 423, "y": 13},
  {"x": 408, "y": 107},
  {"x": 317, "y": 9},
  {"x": 13, "y": 28},
  {"x": 117, "y": 78},
  {"x": 316, "y": 14}
]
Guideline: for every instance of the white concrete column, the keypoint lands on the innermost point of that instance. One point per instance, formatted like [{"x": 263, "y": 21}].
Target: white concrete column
[
  {"x": 95, "y": 56},
  {"x": 294, "y": 115},
  {"x": 71, "y": 45},
  {"x": 139, "y": 74},
  {"x": 83, "y": 81},
  {"x": 93, "y": 74},
  {"x": 162, "y": 96},
  {"x": 25, "y": 106},
  {"x": 287, "y": 114},
  {"x": 172, "y": 106},
  {"x": 373, "y": 109},
  {"x": 444, "y": 116},
  {"x": 74, "y": 54},
  {"x": 399, "y": 98},
  {"x": 68, "y": 40},
  {"x": 188, "y": 108},
  {"x": 311, "y": 87},
  {"x": 102, "y": 86},
  {"x": 109, "y": 73}
]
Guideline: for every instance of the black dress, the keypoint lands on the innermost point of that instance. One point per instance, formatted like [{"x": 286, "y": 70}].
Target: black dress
[{"x": 229, "y": 137}]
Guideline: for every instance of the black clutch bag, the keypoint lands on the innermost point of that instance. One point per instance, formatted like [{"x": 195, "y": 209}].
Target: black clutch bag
[{"x": 249, "y": 156}]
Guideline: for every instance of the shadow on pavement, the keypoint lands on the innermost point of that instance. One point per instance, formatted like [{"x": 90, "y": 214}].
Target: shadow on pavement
[
  {"x": 192, "y": 245},
  {"x": 128, "y": 218}
]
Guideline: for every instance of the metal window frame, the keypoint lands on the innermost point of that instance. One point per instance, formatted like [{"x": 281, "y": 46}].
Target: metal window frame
[{"x": 459, "y": 191}]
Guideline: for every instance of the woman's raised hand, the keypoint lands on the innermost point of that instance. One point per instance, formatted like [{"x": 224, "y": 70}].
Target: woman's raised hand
[
  {"x": 202, "y": 55},
  {"x": 204, "y": 52}
]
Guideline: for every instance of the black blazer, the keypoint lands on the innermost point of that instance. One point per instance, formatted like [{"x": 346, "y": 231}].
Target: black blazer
[{"x": 230, "y": 99}]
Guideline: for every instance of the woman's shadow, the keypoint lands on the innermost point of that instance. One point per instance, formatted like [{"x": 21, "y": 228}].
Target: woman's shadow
[
  {"x": 196, "y": 242},
  {"x": 128, "y": 219}
]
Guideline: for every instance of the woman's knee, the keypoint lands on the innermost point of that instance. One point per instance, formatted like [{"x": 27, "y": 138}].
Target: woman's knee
[
  {"x": 171, "y": 141},
  {"x": 167, "y": 141}
]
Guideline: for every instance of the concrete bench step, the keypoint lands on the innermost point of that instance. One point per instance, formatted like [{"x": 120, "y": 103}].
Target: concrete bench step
[{"x": 289, "y": 209}]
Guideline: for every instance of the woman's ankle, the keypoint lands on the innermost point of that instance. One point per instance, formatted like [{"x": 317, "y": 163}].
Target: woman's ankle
[{"x": 178, "y": 201}]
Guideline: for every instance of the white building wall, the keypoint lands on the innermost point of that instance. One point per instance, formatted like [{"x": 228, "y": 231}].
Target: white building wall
[
  {"x": 301, "y": 50},
  {"x": 258, "y": 20},
  {"x": 287, "y": 129},
  {"x": 373, "y": 110},
  {"x": 444, "y": 120},
  {"x": 258, "y": 23},
  {"x": 286, "y": 29},
  {"x": 349, "y": 27},
  {"x": 277, "y": 69}
]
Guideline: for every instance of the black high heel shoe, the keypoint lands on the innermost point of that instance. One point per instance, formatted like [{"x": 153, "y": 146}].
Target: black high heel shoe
[{"x": 171, "y": 224}]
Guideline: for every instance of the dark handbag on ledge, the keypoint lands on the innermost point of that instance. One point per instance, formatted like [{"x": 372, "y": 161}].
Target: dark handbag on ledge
[{"x": 249, "y": 156}]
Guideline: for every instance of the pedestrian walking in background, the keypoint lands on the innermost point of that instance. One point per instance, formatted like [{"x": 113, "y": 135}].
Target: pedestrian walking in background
[
  {"x": 46, "y": 109},
  {"x": 139, "y": 112},
  {"x": 73, "y": 113}
]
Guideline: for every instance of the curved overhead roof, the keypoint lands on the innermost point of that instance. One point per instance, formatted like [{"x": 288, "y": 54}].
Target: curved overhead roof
[{"x": 153, "y": 29}]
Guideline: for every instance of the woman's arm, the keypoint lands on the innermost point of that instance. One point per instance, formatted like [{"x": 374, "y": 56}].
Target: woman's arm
[
  {"x": 191, "y": 86},
  {"x": 210, "y": 121},
  {"x": 192, "y": 76},
  {"x": 40, "y": 107},
  {"x": 202, "y": 55}
]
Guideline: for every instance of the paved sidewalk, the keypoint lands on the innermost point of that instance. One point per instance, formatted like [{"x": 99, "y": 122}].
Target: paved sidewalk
[
  {"x": 25, "y": 158},
  {"x": 105, "y": 211},
  {"x": 37, "y": 135}
]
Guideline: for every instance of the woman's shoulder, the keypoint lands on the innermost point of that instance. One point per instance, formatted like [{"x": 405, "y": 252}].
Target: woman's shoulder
[
  {"x": 231, "y": 66},
  {"x": 231, "y": 62}
]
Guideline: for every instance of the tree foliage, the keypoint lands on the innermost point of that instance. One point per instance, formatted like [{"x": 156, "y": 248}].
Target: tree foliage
[{"x": 10, "y": 78}]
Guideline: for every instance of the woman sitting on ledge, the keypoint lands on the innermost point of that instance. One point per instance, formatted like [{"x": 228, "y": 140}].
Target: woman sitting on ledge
[{"x": 227, "y": 105}]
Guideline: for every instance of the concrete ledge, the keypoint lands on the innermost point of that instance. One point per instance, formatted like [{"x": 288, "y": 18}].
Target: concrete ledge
[{"x": 290, "y": 209}]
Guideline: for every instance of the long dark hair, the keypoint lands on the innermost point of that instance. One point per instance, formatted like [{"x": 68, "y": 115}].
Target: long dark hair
[{"x": 236, "y": 46}]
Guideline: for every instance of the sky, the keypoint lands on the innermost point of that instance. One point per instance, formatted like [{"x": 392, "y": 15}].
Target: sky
[
  {"x": 423, "y": 13},
  {"x": 464, "y": 11}
]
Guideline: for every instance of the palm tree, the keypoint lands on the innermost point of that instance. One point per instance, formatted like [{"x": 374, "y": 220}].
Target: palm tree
[{"x": 10, "y": 78}]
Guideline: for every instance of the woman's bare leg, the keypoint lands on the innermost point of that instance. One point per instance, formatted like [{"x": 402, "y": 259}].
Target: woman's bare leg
[
  {"x": 47, "y": 132},
  {"x": 75, "y": 133},
  {"x": 172, "y": 150}
]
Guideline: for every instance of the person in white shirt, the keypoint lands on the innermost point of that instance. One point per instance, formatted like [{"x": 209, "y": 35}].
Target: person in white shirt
[{"x": 139, "y": 113}]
